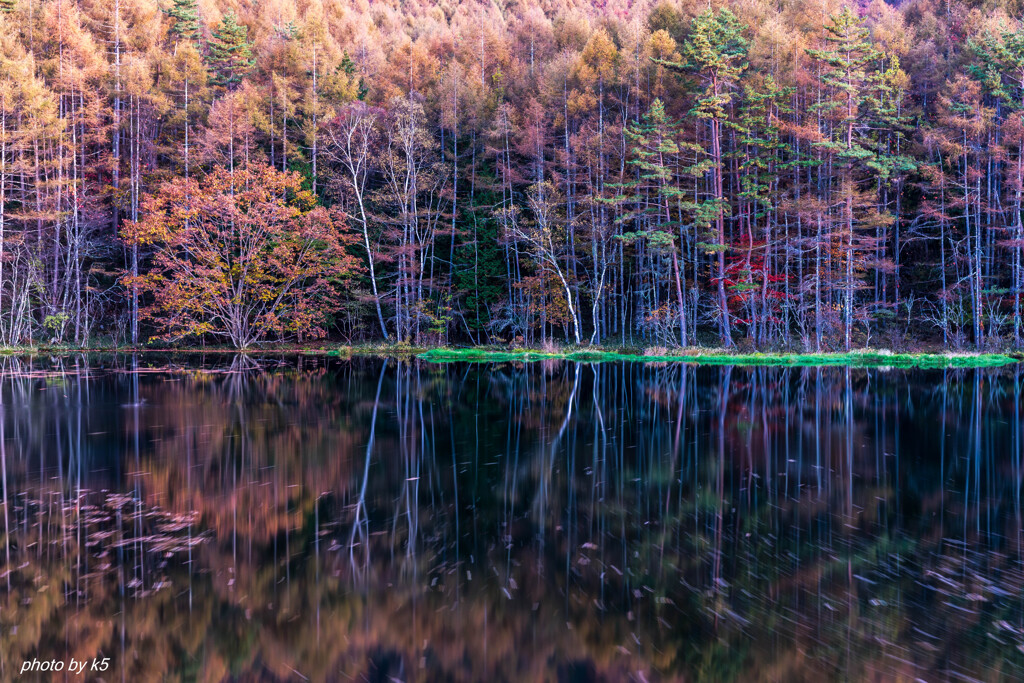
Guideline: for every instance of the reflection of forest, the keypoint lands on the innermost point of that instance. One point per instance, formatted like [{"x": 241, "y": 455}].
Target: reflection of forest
[{"x": 331, "y": 519}]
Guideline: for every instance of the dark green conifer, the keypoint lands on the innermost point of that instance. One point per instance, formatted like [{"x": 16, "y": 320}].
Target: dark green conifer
[
  {"x": 715, "y": 52},
  {"x": 231, "y": 54},
  {"x": 349, "y": 69},
  {"x": 184, "y": 16}
]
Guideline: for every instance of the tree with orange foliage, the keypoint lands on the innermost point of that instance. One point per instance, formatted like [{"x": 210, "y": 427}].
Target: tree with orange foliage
[{"x": 241, "y": 256}]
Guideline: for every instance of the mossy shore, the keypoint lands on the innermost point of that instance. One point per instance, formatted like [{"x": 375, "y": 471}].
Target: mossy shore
[
  {"x": 489, "y": 354},
  {"x": 860, "y": 359}
]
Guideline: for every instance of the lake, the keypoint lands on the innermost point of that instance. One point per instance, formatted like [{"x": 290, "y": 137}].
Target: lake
[{"x": 226, "y": 517}]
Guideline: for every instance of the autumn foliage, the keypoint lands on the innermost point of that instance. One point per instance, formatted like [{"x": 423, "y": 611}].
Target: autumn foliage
[
  {"x": 244, "y": 256},
  {"x": 816, "y": 174}
]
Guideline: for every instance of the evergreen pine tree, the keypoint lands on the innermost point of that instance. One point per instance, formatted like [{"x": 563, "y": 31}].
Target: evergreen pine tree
[
  {"x": 845, "y": 76},
  {"x": 715, "y": 52},
  {"x": 846, "y": 81},
  {"x": 1000, "y": 65},
  {"x": 655, "y": 151},
  {"x": 348, "y": 69},
  {"x": 760, "y": 156},
  {"x": 761, "y": 146},
  {"x": 184, "y": 16},
  {"x": 230, "y": 52}
]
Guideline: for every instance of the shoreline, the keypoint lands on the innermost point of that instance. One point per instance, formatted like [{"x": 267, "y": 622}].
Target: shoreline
[
  {"x": 857, "y": 359},
  {"x": 864, "y": 358}
]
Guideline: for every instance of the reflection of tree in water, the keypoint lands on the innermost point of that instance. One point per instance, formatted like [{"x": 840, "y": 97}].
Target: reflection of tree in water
[{"x": 465, "y": 522}]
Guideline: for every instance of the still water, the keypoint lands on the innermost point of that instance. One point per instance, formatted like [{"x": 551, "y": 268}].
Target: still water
[{"x": 309, "y": 518}]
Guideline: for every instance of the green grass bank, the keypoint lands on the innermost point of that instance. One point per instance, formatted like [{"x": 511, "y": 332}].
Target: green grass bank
[
  {"x": 858, "y": 359},
  {"x": 491, "y": 354}
]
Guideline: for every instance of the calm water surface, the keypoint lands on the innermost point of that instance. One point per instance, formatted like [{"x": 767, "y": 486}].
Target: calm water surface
[{"x": 282, "y": 518}]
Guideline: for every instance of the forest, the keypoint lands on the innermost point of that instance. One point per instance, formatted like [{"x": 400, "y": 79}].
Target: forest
[{"x": 797, "y": 174}]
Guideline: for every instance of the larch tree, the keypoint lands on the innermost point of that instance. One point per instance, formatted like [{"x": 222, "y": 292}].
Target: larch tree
[
  {"x": 715, "y": 52},
  {"x": 1000, "y": 67},
  {"x": 962, "y": 122},
  {"x": 847, "y": 81},
  {"x": 844, "y": 189},
  {"x": 652, "y": 194}
]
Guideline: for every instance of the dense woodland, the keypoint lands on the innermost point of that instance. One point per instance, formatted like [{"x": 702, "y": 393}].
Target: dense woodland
[{"x": 801, "y": 173}]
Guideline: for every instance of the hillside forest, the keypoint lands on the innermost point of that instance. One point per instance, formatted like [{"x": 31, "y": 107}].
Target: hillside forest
[{"x": 763, "y": 175}]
